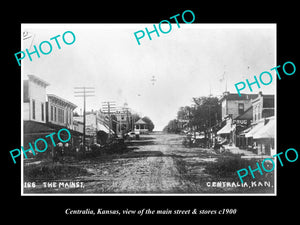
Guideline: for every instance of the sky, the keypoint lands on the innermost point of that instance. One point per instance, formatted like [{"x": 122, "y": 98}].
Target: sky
[{"x": 187, "y": 62}]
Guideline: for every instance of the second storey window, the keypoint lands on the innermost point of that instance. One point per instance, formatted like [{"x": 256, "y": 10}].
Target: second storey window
[
  {"x": 55, "y": 113},
  {"x": 241, "y": 108}
]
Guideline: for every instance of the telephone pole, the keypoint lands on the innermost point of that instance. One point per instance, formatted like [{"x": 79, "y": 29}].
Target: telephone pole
[
  {"x": 125, "y": 107},
  {"x": 108, "y": 107},
  {"x": 84, "y": 92}
]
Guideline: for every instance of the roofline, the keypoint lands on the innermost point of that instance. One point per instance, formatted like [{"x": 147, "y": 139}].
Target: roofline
[
  {"x": 224, "y": 96},
  {"x": 140, "y": 122},
  {"x": 33, "y": 77},
  {"x": 61, "y": 99},
  {"x": 263, "y": 97}
]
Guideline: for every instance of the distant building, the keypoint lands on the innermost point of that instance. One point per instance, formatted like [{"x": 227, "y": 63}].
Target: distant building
[
  {"x": 234, "y": 105},
  {"x": 78, "y": 125},
  {"x": 236, "y": 114},
  {"x": 263, "y": 106},
  {"x": 123, "y": 121},
  {"x": 141, "y": 126},
  {"x": 90, "y": 126},
  {"x": 261, "y": 136},
  {"x": 95, "y": 122}
]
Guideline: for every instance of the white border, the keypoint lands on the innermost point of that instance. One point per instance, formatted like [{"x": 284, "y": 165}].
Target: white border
[{"x": 114, "y": 26}]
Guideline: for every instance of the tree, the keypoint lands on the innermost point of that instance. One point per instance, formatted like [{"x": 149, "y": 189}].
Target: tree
[
  {"x": 172, "y": 127},
  {"x": 149, "y": 123},
  {"x": 135, "y": 117},
  {"x": 206, "y": 113},
  {"x": 203, "y": 114}
]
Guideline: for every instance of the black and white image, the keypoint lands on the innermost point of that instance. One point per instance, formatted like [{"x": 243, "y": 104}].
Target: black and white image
[{"x": 159, "y": 118}]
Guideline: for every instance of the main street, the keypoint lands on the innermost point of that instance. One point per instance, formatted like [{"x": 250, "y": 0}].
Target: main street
[
  {"x": 159, "y": 163},
  {"x": 153, "y": 164}
]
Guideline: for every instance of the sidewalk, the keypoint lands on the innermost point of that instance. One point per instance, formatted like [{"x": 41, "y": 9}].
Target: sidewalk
[{"x": 246, "y": 154}]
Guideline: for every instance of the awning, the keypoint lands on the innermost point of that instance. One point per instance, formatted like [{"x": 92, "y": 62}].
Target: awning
[
  {"x": 104, "y": 128},
  {"x": 267, "y": 131},
  {"x": 36, "y": 128},
  {"x": 226, "y": 129},
  {"x": 245, "y": 131},
  {"x": 256, "y": 128}
]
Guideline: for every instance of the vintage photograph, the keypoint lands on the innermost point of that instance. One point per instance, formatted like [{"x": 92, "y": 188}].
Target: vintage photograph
[{"x": 104, "y": 115}]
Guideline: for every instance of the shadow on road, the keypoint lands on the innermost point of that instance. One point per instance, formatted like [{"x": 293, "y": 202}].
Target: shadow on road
[
  {"x": 138, "y": 154},
  {"x": 140, "y": 143}
]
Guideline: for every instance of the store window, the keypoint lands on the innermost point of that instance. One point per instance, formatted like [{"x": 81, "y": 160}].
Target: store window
[
  {"x": 42, "y": 109},
  {"x": 51, "y": 113},
  {"x": 33, "y": 109}
]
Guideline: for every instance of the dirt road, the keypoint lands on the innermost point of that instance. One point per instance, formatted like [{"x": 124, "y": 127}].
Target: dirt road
[
  {"x": 155, "y": 165},
  {"x": 158, "y": 163}
]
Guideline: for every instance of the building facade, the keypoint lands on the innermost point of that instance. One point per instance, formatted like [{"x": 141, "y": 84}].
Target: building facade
[
  {"x": 123, "y": 120},
  {"x": 60, "y": 111},
  {"x": 235, "y": 114},
  {"x": 234, "y": 105},
  {"x": 263, "y": 107},
  {"x": 245, "y": 117},
  {"x": 262, "y": 134},
  {"x": 34, "y": 99}
]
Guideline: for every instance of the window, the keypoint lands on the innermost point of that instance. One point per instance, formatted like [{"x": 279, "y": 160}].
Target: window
[
  {"x": 55, "y": 113},
  {"x": 60, "y": 115},
  {"x": 67, "y": 117},
  {"x": 241, "y": 108},
  {"x": 42, "y": 108},
  {"x": 33, "y": 109},
  {"x": 70, "y": 116},
  {"x": 51, "y": 113}
]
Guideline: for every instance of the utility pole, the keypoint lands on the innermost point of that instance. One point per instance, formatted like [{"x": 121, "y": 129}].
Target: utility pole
[
  {"x": 132, "y": 121},
  {"x": 108, "y": 107},
  {"x": 84, "y": 92},
  {"x": 128, "y": 127}
]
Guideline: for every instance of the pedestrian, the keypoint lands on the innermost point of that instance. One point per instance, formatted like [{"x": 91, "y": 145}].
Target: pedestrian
[{"x": 60, "y": 152}]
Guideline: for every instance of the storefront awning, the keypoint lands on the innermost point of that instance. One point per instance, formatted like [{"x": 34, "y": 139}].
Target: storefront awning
[
  {"x": 104, "y": 128},
  {"x": 254, "y": 129},
  {"x": 226, "y": 129},
  {"x": 245, "y": 131},
  {"x": 267, "y": 131},
  {"x": 36, "y": 128}
]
